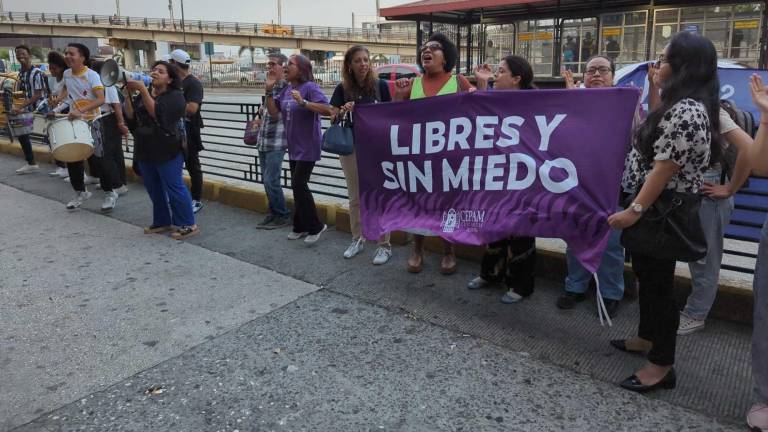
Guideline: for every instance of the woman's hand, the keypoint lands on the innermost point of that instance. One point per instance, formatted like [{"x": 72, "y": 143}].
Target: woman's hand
[
  {"x": 271, "y": 80},
  {"x": 716, "y": 191},
  {"x": 653, "y": 76},
  {"x": 403, "y": 88},
  {"x": 623, "y": 219},
  {"x": 349, "y": 106},
  {"x": 483, "y": 72},
  {"x": 570, "y": 84},
  {"x": 759, "y": 93},
  {"x": 135, "y": 85},
  {"x": 297, "y": 96}
]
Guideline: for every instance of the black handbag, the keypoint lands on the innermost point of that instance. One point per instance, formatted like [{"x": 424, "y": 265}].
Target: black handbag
[
  {"x": 670, "y": 229},
  {"x": 339, "y": 139}
]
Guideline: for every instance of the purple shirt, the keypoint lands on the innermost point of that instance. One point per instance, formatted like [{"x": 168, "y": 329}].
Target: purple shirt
[{"x": 302, "y": 126}]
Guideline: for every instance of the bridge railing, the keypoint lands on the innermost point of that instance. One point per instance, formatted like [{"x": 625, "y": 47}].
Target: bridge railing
[{"x": 198, "y": 26}]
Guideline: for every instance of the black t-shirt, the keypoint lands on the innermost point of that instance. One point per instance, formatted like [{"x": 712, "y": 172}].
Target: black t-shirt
[
  {"x": 159, "y": 139},
  {"x": 338, "y": 98},
  {"x": 193, "y": 92}
]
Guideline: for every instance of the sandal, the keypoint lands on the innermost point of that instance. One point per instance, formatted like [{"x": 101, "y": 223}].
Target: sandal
[
  {"x": 451, "y": 268},
  {"x": 415, "y": 268},
  {"x": 185, "y": 231},
  {"x": 154, "y": 229}
]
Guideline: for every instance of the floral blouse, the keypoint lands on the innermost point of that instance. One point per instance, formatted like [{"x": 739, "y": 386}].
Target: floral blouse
[{"x": 684, "y": 138}]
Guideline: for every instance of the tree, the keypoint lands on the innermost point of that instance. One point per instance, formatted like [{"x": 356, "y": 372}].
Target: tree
[{"x": 246, "y": 48}]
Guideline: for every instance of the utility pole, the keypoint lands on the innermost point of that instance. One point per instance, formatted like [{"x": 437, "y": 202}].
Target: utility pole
[
  {"x": 117, "y": 6},
  {"x": 183, "y": 26},
  {"x": 170, "y": 9},
  {"x": 279, "y": 12},
  {"x": 353, "y": 20}
]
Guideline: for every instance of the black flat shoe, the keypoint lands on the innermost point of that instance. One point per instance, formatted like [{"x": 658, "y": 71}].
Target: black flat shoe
[
  {"x": 633, "y": 383},
  {"x": 621, "y": 345}
]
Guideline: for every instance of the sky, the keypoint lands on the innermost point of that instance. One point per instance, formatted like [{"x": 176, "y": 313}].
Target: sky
[{"x": 334, "y": 13}]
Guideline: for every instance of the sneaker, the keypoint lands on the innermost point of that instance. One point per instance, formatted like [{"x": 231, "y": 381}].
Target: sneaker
[
  {"x": 265, "y": 224},
  {"x": 689, "y": 325},
  {"x": 110, "y": 201},
  {"x": 354, "y": 248},
  {"x": 757, "y": 417},
  {"x": 28, "y": 169},
  {"x": 60, "y": 172},
  {"x": 478, "y": 283},
  {"x": 511, "y": 297},
  {"x": 280, "y": 222},
  {"x": 313, "y": 238},
  {"x": 612, "y": 307},
  {"x": 78, "y": 200},
  {"x": 297, "y": 235},
  {"x": 568, "y": 300},
  {"x": 383, "y": 254},
  {"x": 122, "y": 190},
  {"x": 153, "y": 229},
  {"x": 90, "y": 180},
  {"x": 196, "y": 206},
  {"x": 185, "y": 231}
]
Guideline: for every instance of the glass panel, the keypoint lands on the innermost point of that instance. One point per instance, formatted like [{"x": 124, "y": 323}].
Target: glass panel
[
  {"x": 719, "y": 12},
  {"x": 719, "y": 33},
  {"x": 636, "y": 18},
  {"x": 633, "y": 46},
  {"x": 667, "y": 16},
  {"x": 612, "y": 20},
  {"x": 692, "y": 14},
  {"x": 745, "y": 44},
  {"x": 747, "y": 10},
  {"x": 579, "y": 43},
  {"x": 535, "y": 43},
  {"x": 661, "y": 36}
]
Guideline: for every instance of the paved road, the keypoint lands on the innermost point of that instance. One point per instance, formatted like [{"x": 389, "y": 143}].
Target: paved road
[{"x": 104, "y": 328}]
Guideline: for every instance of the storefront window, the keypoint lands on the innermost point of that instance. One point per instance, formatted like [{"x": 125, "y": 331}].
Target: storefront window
[
  {"x": 579, "y": 43},
  {"x": 623, "y": 37},
  {"x": 534, "y": 42}
]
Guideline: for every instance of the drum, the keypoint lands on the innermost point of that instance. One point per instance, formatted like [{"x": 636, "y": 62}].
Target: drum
[
  {"x": 40, "y": 125},
  {"x": 21, "y": 124},
  {"x": 71, "y": 140}
]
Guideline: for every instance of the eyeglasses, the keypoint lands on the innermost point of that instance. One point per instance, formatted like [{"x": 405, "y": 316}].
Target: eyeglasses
[
  {"x": 602, "y": 70},
  {"x": 662, "y": 59},
  {"x": 431, "y": 46},
  {"x": 271, "y": 63}
]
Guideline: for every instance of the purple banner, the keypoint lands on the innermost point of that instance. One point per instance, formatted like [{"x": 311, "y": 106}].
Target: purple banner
[{"x": 476, "y": 168}]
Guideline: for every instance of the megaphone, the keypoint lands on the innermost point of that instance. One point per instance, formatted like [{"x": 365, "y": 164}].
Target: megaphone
[{"x": 111, "y": 73}]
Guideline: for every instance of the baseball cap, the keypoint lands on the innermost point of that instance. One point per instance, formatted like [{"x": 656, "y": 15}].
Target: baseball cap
[{"x": 181, "y": 57}]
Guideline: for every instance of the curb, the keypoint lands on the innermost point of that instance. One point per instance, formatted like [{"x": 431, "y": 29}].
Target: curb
[{"x": 733, "y": 302}]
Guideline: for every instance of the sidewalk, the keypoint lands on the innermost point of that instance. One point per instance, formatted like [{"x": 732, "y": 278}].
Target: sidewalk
[{"x": 375, "y": 347}]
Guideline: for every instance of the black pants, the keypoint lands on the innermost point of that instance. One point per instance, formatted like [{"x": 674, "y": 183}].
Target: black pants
[
  {"x": 512, "y": 261},
  {"x": 77, "y": 172},
  {"x": 195, "y": 170},
  {"x": 659, "y": 314},
  {"x": 304, "y": 213},
  {"x": 26, "y": 147},
  {"x": 112, "y": 161}
]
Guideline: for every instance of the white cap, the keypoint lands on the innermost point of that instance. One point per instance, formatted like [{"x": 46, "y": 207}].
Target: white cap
[{"x": 180, "y": 56}]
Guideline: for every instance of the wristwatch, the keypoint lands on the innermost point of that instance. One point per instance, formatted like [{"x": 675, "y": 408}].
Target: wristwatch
[
  {"x": 303, "y": 102},
  {"x": 637, "y": 207}
]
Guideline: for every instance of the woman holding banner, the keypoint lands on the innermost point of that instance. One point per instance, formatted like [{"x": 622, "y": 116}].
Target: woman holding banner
[
  {"x": 512, "y": 259},
  {"x": 672, "y": 151},
  {"x": 438, "y": 58},
  {"x": 358, "y": 85}
]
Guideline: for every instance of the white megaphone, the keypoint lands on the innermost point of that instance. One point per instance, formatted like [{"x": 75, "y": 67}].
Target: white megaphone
[{"x": 111, "y": 74}]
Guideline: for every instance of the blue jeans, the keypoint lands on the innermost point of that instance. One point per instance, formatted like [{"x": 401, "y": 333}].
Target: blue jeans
[
  {"x": 715, "y": 214},
  {"x": 760, "y": 321},
  {"x": 610, "y": 273},
  {"x": 171, "y": 201},
  {"x": 271, "y": 170}
]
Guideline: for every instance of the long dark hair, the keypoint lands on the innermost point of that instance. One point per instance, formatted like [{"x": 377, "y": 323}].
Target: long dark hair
[
  {"x": 352, "y": 88},
  {"x": 518, "y": 66},
  {"x": 173, "y": 72},
  {"x": 693, "y": 61}
]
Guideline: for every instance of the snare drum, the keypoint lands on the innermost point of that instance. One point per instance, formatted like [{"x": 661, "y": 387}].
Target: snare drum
[
  {"x": 40, "y": 125},
  {"x": 21, "y": 124},
  {"x": 71, "y": 140}
]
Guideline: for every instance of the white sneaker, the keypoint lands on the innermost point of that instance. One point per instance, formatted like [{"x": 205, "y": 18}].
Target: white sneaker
[
  {"x": 60, "y": 172},
  {"x": 78, "y": 200},
  {"x": 28, "y": 169},
  {"x": 383, "y": 254},
  {"x": 689, "y": 325},
  {"x": 478, "y": 283},
  {"x": 196, "y": 206},
  {"x": 110, "y": 201},
  {"x": 122, "y": 190},
  {"x": 313, "y": 238},
  {"x": 297, "y": 235},
  {"x": 757, "y": 417},
  {"x": 91, "y": 180},
  {"x": 355, "y": 248}
]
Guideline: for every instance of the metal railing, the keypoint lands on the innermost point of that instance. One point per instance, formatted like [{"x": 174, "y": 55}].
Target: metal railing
[{"x": 200, "y": 26}]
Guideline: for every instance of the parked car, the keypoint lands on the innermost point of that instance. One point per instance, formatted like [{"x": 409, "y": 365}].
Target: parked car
[
  {"x": 277, "y": 30},
  {"x": 234, "y": 75},
  {"x": 395, "y": 71}
]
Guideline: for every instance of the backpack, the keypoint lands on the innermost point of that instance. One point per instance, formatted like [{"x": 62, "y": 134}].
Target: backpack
[{"x": 746, "y": 121}]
